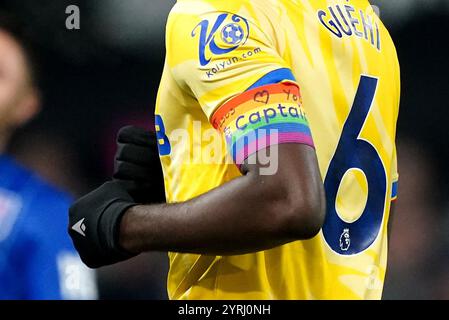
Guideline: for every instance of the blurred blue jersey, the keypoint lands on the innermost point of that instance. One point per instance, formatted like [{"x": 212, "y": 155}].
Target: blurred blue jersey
[{"x": 37, "y": 258}]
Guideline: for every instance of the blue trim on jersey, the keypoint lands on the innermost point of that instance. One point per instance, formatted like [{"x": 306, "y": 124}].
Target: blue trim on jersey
[
  {"x": 394, "y": 191},
  {"x": 274, "y": 77}
]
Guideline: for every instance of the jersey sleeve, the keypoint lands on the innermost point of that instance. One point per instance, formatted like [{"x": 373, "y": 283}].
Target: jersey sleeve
[
  {"x": 216, "y": 54},
  {"x": 228, "y": 62}
]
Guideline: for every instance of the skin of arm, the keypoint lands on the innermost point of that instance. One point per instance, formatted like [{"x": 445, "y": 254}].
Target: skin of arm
[{"x": 248, "y": 214}]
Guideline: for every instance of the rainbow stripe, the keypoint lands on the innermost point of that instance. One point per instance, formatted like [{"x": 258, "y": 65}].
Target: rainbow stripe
[{"x": 262, "y": 117}]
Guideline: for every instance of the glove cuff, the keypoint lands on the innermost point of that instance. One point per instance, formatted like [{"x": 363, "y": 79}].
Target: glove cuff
[{"x": 109, "y": 228}]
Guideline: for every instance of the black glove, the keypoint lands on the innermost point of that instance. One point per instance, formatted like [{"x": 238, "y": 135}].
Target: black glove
[
  {"x": 138, "y": 166},
  {"x": 94, "y": 222}
]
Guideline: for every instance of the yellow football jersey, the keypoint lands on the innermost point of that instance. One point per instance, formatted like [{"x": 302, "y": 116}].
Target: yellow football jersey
[{"x": 344, "y": 62}]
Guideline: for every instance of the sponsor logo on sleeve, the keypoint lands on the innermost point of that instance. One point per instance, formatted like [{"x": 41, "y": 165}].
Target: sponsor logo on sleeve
[{"x": 227, "y": 33}]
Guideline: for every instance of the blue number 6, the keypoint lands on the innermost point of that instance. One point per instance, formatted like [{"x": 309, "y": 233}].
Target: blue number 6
[{"x": 355, "y": 153}]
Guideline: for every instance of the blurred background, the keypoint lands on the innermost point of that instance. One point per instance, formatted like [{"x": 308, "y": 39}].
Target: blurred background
[{"x": 106, "y": 74}]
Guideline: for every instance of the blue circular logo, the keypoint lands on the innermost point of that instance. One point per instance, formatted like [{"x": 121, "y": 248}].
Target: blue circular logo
[{"x": 233, "y": 34}]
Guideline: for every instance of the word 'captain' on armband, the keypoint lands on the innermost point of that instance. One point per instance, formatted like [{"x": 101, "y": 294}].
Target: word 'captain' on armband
[{"x": 263, "y": 117}]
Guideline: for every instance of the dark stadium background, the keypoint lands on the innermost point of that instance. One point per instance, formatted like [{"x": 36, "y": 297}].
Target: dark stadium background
[{"x": 106, "y": 74}]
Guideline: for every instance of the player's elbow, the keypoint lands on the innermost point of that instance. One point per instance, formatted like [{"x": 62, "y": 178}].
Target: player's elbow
[{"x": 304, "y": 214}]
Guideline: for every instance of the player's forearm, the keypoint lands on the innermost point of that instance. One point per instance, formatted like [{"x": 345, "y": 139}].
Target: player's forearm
[
  {"x": 248, "y": 214},
  {"x": 228, "y": 220}
]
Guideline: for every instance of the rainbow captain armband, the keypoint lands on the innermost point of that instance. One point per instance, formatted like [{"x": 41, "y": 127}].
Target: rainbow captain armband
[{"x": 261, "y": 117}]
